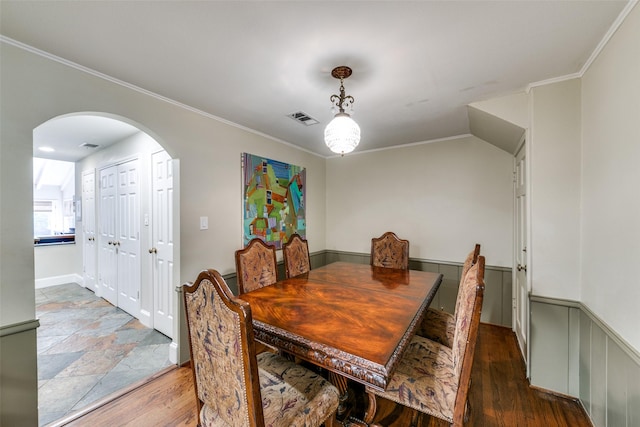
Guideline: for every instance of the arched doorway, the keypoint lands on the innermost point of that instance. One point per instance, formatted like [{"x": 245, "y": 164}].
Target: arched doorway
[{"x": 120, "y": 172}]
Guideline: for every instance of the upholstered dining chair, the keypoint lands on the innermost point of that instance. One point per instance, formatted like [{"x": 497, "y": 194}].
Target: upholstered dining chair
[
  {"x": 233, "y": 385},
  {"x": 432, "y": 378},
  {"x": 256, "y": 266},
  {"x": 295, "y": 254},
  {"x": 390, "y": 251},
  {"x": 439, "y": 325}
]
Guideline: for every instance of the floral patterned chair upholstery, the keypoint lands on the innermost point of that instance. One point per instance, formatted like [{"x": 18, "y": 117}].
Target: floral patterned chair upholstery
[
  {"x": 438, "y": 325},
  {"x": 234, "y": 386},
  {"x": 432, "y": 378},
  {"x": 256, "y": 266},
  {"x": 390, "y": 251},
  {"x": 296, "y": 256}
]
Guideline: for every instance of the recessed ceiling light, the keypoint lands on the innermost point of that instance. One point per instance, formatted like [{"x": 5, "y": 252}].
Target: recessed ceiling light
[
  {"x": 88, "y": 145},
  {"x": 46, "y": 149}
]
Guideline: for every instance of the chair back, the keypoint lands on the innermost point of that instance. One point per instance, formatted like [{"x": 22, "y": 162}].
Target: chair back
[
  {"x": 466, "y": 334},
  {"x": 296, "y": 256},
  {"x": 471, "y": 260},
  {"x": 256, "y": 266},
  {"x": 390, "y": 251},
  {"x": 223, "y": 354}
]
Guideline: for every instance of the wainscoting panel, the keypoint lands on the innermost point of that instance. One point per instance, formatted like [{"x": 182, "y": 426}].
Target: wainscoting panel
[
  {"x": 448, "y": 291},
  {"x": 549, "y": 347},
  {"x": 574, "y": 351},
  {"x": 606, "y": 367},
  {"x": 617, "y": 367},
  {"x": 497, "y": 306},
  {"x": 633, "y": 394},
  {"x": 19, "y": 374},
  {"x": 507, "y": 298},
  {"x": 598, "y": 376},
  {"x": 584, "y": 361}
]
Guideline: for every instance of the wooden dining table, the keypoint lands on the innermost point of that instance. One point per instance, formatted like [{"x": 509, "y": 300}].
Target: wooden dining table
[{"x": 354, "y": 320}]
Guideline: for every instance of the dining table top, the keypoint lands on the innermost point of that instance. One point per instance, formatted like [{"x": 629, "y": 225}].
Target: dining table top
[{"x": 352, "y": 319}]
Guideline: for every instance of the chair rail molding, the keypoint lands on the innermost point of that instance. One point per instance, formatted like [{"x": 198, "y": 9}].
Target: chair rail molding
[{"x": 19, "y": 327}]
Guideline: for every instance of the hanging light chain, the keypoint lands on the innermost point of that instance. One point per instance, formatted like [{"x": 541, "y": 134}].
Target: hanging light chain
[{"x": 341, "y": 101}]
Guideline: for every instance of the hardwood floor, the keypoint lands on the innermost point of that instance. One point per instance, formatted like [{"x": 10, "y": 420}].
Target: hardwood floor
[{"x": 500, "y": 396}]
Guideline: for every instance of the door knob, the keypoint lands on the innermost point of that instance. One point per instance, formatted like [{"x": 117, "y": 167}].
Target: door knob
[
  {"x": 110, "y": 242},
  {"x": 153, "y": 251},
  {"x": 522, "y": 268}
]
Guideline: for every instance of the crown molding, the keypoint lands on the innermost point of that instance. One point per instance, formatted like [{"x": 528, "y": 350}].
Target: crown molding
[
  {"x": 82, "y": 68},
  {"x": 596, "y": 52},
  {"x": 411, "y": 144}
]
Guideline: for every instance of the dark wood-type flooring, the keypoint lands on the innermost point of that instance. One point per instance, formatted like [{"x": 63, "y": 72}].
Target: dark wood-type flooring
[{"x": 500, "y": 396}]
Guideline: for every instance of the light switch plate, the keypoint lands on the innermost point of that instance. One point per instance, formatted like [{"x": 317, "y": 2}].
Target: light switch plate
[{"x": 204, "y": 223}]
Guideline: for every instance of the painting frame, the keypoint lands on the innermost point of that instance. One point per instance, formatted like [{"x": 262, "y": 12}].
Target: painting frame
[{"x": 273, "y": 200}]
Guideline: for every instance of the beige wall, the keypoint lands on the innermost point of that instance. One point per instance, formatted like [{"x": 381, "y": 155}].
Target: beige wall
[
  {"x": 443, "y": 196},
  {"x": 356, "y": 197},
  {"x": 589, "y": 345},
  {"x": 209, "y": 151},
  {"x": 611, "y": 175},
  {"x": 555, "y": 190},
  {"x": 36, "y": 89},
  {"x": 57, "y": 260}
]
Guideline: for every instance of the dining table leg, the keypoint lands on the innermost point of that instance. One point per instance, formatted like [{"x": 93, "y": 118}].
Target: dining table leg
[{"x": 340, "y": 382}]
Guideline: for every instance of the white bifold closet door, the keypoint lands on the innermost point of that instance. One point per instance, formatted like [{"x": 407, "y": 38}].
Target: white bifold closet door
[{"x": 119, "y": 236}]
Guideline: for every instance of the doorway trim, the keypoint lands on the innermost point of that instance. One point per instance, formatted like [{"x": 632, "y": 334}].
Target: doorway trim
[
  {"x": 522, "y": 255},
  {"x": 145, "y": 264}
]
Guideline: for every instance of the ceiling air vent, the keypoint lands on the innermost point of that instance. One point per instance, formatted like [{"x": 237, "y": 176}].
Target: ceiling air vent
[
  {"x": 303, "y": 118},
  {"x": 89, "y": 145}
]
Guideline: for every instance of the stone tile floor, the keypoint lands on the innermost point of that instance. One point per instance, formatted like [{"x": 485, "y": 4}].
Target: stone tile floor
[{"x": 88, "y": 349}]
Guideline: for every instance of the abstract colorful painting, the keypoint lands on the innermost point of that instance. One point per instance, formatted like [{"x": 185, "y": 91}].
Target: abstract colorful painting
[{"x": 274, "y": 200}]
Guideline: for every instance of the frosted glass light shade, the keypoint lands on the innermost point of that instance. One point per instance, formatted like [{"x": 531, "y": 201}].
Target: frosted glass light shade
[{"x": 342, "y": 134}]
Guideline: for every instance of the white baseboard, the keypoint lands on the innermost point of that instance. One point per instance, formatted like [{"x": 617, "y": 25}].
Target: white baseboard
[
  {"x": 145, "y": 318},
  {"x": 173, "y": 352},
  {"x": 58, "y": 280}
]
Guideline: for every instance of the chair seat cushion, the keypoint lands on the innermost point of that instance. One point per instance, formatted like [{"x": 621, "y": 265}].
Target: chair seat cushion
[
  {"x": 425, "y": 379},
  {"x": 438, "y": 326},
  {"x": 292, "y": 395}
]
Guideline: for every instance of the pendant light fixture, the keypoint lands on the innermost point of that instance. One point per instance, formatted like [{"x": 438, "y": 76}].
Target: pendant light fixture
[{"x": 342, "y": 134}]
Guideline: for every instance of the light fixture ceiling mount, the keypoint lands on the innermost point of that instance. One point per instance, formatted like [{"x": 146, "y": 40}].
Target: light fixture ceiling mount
[
  {"x": 342, "y": 134},
  {"x": 342, "y": 72}
]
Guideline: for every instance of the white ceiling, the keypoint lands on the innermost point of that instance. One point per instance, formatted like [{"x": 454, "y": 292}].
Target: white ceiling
[
  {"x": 68, "y": 136},
  {"x": 416, "y": 64},
  {"x": 47, "y": 172}
]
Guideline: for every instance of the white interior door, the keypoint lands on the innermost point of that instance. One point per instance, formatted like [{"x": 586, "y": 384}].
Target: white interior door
[
  {"x": 520, "y": 291},
  {"x": 162, "y": 243},
  {"x": 128, "y": 237},
  {"x": 107, "y": 258},
  {"x": 89, "y": 254}
]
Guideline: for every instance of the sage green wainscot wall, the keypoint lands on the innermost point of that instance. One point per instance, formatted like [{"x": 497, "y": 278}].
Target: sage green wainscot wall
[
  {"x": 496, "y": 308},
  {"x": 577, "y": 354},
  {"x": 19, "y": 374}
]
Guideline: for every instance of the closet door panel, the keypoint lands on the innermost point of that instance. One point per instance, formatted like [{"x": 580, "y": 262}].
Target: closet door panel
[
  {"x": 107, "y": 259},
  {"x": 128, "y": 242}
]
